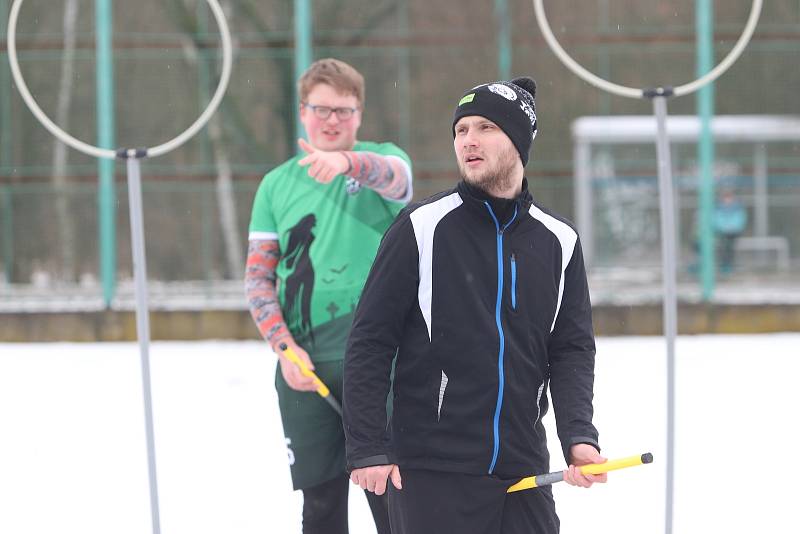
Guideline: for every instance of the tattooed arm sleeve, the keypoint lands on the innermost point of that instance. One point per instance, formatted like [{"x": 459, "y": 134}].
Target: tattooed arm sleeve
[
  {"x": 260, "y": 286},
  {"x": 389, "y": 176}
]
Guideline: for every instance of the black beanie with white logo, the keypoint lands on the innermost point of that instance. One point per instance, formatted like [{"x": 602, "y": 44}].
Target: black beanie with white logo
[{"x": 510, "y": 105}]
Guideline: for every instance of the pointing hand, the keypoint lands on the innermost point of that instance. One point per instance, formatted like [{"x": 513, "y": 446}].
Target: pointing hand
[{"x": 323, "y": 166}]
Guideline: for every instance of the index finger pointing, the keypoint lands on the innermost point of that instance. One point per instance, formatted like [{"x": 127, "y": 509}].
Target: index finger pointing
[
  {"x": 309, "y": 158},
  {"x": 308, "y": 148}
]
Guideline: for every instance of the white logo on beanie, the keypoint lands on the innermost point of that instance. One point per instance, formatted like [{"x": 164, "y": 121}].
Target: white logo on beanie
[
  {"x": 524, "y": 106},
  {"x": 503, "y": 90}
]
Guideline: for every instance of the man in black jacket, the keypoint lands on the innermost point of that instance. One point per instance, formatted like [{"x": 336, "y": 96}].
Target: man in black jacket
[{"x": 481, "y": 295}]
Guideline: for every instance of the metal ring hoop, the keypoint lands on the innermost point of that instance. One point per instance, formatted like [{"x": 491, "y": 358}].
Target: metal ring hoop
[
  {"x": 227, "y": 61},
  {"x": 630, "y": 92}
]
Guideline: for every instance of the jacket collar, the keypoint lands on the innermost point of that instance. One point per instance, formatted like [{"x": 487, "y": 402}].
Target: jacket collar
[{"x": 476, "y": 200}]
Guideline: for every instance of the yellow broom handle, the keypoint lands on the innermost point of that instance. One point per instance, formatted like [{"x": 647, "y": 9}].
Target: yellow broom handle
[
  {"x": 619, "y": 463},
  {"x": 590, "y": 469},
  {"x": 289, "y": 352}
]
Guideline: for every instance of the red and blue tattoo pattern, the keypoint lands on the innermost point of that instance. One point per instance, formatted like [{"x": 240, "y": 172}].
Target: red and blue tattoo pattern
[
  {"x": 263, "y": 256},
  {"x": 385, "y": 175}
]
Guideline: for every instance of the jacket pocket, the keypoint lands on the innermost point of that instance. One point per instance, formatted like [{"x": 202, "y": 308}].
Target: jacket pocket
[
  {"x": 539, "y": 393},
  {"x": 513, "y": 281},
  {"x": 442, "y": 388}
]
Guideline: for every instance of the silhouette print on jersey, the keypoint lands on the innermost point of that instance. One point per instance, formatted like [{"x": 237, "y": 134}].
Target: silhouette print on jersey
[{"x": 300, "y": 284}]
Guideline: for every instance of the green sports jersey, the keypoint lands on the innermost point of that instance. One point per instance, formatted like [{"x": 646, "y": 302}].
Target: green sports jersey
[{"x": 328, "y": 236}]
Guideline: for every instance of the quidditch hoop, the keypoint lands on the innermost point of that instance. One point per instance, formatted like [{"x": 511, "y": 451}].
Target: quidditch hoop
[
  {"x": 227, "y": 61},
  {"x": 630, "y": 92}
]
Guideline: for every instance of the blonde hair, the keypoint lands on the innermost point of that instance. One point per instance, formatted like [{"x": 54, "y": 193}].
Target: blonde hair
[{"x": 338, "y": 74}]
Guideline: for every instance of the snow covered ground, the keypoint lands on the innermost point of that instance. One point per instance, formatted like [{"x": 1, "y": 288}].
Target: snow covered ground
[{"x": 73, "y": 456}]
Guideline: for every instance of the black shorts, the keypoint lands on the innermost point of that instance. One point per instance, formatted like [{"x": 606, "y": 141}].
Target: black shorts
[
  {"x": 432, "y": 502},
  {"x": 313, "y": 430}
]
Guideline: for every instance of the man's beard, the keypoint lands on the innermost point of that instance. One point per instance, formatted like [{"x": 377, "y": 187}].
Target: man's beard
[{"x": 494, "y": 179}]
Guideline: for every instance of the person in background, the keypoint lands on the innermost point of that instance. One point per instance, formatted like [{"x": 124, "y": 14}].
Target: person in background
[
  {"x": 479, "y": 297},
  {"x": 730, "y": 221},
  {"x": 316, "y": 223}
]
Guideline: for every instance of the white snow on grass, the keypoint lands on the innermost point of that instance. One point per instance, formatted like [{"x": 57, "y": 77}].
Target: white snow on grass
[{"x": 73, "y": 457}]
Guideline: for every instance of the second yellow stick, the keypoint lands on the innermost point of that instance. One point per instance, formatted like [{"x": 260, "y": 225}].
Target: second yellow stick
[
  {"x": 322, "y": 389},
  {"x": 591, "y": 469}
]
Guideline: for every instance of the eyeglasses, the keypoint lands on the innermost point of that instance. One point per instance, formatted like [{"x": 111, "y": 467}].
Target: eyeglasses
[{"x": 323, "y": 112}]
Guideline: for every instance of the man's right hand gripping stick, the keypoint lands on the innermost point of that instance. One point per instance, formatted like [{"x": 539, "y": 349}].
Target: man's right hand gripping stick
[
  {"x": 322, "y": 389},
  {"x": 590, "y": 469}
]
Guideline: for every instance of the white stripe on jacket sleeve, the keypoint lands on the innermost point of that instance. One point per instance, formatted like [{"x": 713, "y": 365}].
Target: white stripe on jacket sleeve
[
  {"x": 425, "y": 219},
  {"x": 567, "y": 237}
]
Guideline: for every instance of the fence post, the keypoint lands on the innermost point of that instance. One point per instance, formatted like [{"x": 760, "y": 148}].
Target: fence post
[{"x": 106, "y": 193}]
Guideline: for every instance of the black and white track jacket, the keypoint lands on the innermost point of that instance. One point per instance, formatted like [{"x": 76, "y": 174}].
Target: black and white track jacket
[{"x": 483, "y": 312}]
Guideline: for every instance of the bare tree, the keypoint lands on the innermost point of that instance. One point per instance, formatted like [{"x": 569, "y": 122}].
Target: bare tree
[
  {"x": 66, "y": 230},
  {"x": 224, "y": 183}
]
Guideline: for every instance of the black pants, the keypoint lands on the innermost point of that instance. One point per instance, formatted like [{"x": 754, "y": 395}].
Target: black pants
[
  {"x": 433, "y": 502},
  {"x": 325, "y": 508}
]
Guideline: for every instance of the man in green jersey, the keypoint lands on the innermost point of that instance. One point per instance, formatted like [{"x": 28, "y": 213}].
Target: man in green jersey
[{"x": 316, "y": 224}]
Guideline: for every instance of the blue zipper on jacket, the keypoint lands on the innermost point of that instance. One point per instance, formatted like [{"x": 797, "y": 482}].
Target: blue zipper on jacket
[{"x": 500, "y": 366}]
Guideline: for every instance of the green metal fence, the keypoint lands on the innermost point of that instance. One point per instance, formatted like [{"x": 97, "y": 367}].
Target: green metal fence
[{"x": 417, "y": 57}]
